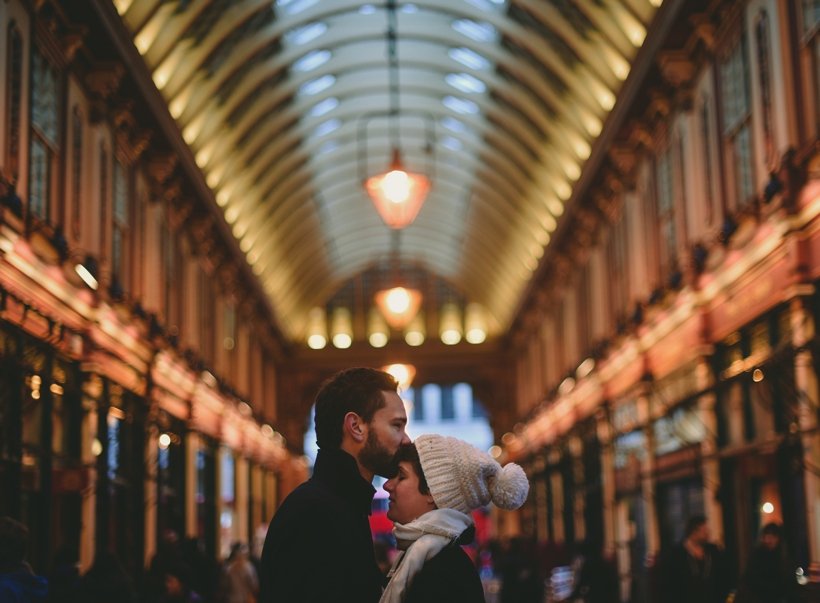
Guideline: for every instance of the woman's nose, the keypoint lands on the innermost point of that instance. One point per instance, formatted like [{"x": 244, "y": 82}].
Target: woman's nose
[{"x": 388, "y": 485}]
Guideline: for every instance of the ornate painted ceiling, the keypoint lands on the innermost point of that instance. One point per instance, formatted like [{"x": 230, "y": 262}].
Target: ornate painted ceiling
[{"x": 285, "y": 106}]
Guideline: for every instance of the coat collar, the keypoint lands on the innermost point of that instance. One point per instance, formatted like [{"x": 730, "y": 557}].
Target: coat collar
[{"x": 338, "y": 470}]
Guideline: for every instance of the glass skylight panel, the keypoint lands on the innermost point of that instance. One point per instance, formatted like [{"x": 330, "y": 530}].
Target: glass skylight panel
[
  {"x": 328, "y": 147},
  {"x": 454, "y": 125},
  {"x": 325, "y": 128},
  {"x": 367, "y": 9},
  {"x": 465, "y": 83},
  {"x": 324, "y": 106},
  {"x": 317, "y": 85},
  {"x": 487, "y": 5},
  {"x": 306, "y": 33},
  {"x": 294, "y": 7},
  {"x": 452, "y": 143},
  {"x": 312, "y": 60},
  {"x": 409, "y": 8},
  {"x": 469, "y": 58},
  {"x": 460, "y": 105},
  {"x": 480, "y": 32}
]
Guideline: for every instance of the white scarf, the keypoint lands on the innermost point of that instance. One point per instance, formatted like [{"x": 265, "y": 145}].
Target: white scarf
[{"x": 420, "y": 540}]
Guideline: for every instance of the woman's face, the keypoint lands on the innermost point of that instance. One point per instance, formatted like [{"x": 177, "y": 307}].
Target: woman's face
[{"x": 406, "y": 502}]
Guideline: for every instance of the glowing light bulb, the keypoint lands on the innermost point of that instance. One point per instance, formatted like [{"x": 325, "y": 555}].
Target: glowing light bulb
[
  {"x": 398, "y": 300},
  {"x": 396, "y": 186}
]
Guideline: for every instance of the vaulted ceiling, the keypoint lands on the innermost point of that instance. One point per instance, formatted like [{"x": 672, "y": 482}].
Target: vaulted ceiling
[{"x": 285, "y": 106}]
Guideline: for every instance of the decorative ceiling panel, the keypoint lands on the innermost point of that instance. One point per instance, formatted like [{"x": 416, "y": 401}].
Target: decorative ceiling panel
[{"x": 285, "y": 106}]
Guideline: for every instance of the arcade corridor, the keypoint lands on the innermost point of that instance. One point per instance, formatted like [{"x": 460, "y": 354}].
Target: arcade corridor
[{"x": 607, "y": 244}]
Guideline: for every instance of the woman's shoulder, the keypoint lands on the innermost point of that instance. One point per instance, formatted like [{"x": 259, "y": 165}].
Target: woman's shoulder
[{"x": 449, "y": 576}]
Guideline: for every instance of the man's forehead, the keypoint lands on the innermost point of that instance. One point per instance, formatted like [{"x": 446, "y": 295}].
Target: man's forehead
[{"x": 393, "y": 404}]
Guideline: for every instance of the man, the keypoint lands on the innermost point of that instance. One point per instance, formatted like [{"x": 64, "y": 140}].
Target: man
[
  {"x": 319, "y": 548},
  {"x": 770, "y": 574},
  {"x": 693, "y": 571}
]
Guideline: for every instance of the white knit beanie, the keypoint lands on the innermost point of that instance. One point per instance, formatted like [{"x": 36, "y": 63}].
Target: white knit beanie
[{"x": 463, "y": 478}]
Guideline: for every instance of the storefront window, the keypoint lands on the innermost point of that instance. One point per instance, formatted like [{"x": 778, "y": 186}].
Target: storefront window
[{"x": 680, "y": 428}]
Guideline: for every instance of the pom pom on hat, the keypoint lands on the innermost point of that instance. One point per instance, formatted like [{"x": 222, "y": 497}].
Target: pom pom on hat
[
  {"x": 510, "y": 488},
  {"x": 463, "y": 478}
]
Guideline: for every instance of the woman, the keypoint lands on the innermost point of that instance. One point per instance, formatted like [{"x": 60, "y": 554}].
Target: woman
[{"x": 439, "y": 481}]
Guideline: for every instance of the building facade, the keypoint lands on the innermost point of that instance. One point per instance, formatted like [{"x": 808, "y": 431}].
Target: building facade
[
  {"x": 667, "y": 366},
  {"x": 138, "y": 376}
]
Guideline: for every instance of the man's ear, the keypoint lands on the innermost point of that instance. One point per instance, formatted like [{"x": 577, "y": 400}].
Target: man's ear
[{"x": 355, "y": 427}]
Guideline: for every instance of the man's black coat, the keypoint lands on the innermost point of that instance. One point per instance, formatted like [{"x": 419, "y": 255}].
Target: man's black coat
[{"x": 319, "y": 548}]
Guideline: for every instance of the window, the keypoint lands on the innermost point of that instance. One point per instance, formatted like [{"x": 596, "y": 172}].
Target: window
[
  {"x": 45, "y": 136},
  {"x": 665, "y": 210},
  {"x": 736, "y": 114},
  {"x": 763, "y": 43},
  {"x": 76, "y": 170},
  {"x": 119, "y": 233},
  {"x": 103, "y": 196},
  {"x": 618, "y": 285},
  {"x": 810, "y": 29},
  {"x": 14, "y": 90},
  {"x": 478, "y": 410},
  {"x": 206, "y": 318},
  {"x": 172, "y": 284},
  {"x": 708, "y": 159},
  {"x": 448, "y": 406}
]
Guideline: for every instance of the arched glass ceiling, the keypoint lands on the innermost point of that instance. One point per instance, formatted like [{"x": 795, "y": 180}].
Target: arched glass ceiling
[{"x": 284, "y": 105}]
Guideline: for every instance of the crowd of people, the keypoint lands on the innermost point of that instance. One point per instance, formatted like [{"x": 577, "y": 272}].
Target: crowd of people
[{"x": 319, "y": 548}]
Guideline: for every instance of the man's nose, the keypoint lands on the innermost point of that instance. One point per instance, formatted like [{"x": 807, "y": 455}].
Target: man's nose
[{"x": 406, "y": 439}]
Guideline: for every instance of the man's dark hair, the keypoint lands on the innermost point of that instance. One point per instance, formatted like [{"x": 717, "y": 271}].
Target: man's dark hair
[
  {"x": 694, "y": 524},
  {"x": 772, "y": 528},
  {"x": 13, "y": 538},
  {"x": 356, "y": 390},
  {"x": 408, "y": 453}
]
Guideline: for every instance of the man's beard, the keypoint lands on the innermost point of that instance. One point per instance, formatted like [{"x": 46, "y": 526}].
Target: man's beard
[{"x": 376, "y": 457}]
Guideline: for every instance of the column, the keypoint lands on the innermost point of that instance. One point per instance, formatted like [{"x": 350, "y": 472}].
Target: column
[
  {"x": 607, "y": 479},
  {"x": 808, "y": 397},
  {"x": 192, "y": 444},
  {"x": 241, "y": 500},
  {"x": 653, "y": 535},
  {"x": 709, "y": 451},
  {"x": 576, "y": 447},
  {"x": 557, "y": 488},
  {"x": 91, "y": 448},
  {"x": 151, "y": 494}
]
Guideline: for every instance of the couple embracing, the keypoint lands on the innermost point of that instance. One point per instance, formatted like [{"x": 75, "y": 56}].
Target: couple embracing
[{"x": 319, "y": 548}]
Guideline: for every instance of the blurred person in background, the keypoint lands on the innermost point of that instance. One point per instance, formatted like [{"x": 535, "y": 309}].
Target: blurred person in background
[
  {"x": 242, "y": 583},
  {"x": 439, "y": 481},
  {"x": 770, "y": 574},
  {"x": 694, "y": 571},
  {"x": 18, "y": 584}
]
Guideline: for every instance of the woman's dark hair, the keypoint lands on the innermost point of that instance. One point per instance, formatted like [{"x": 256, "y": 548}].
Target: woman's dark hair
[
  {"x": 408, "y": 453},
  {"x": 356, "y": 390}
]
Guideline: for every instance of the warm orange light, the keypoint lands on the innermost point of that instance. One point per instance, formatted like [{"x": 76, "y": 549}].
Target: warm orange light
[
  {"x": 398, "y": 194},
  {"x": 403, "y": 373},
  {"x": 398, "y": 305}
]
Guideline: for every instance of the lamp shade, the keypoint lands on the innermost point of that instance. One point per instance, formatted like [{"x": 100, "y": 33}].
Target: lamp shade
[
  {"x": 398, "y": 194},
  {"x": 475, "y": 324},
  {"x": 398, "y": 305},
  {"x": 341, "y": 328},
  {"x": 377, "y": 333},
  {"x": 317, "y": 329},
  {"x": 450, "y": 329},
  {"x": 415, "y": 332}
]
